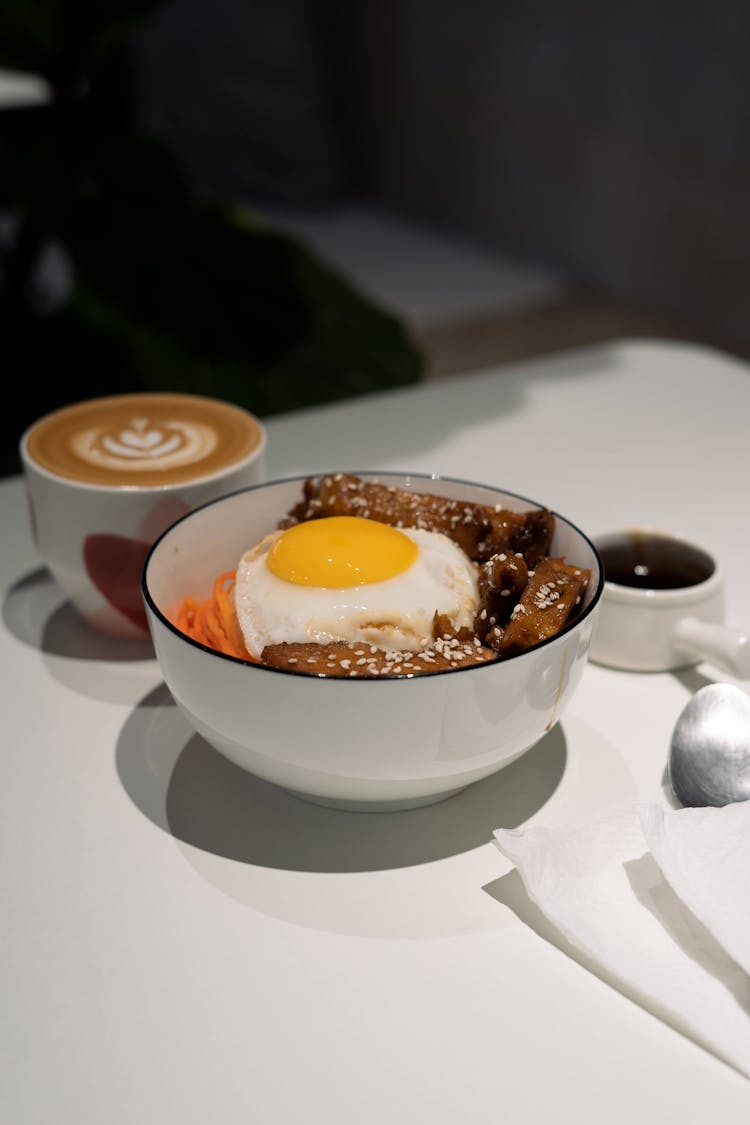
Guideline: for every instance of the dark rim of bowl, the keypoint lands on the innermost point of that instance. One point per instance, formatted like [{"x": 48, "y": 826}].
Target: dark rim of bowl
[{"x": 371, "y": 474}]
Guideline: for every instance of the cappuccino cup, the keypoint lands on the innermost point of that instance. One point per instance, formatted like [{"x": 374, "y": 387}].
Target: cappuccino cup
[{"x": 105, "y": 476}]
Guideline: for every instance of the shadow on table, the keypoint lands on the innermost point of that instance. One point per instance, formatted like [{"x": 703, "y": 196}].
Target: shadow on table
[
  {"x": 456, "y": 404},
  {"x": 38, "y": 614},
  {"x": 510, "y": 891},
  {"x": 193, "y": 792}
]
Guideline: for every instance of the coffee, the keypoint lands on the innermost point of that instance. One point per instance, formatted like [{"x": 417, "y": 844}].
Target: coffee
[
  {"x": 147, "y": 440},
  {"x": 648, "y": 561}
]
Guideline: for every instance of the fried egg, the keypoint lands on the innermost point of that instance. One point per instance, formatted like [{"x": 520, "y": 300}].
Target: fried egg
[{"x": 346, "y": 578}]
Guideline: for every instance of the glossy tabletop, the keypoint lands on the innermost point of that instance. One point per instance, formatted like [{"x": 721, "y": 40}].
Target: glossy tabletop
[{"x": 182, "y": 943}]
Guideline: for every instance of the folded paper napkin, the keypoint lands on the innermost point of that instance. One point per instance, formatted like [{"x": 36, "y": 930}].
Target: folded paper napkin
[{"x": 658, "y": 901}]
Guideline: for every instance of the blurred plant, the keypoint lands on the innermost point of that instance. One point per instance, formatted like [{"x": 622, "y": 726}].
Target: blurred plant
[{"x": 113, "y": 277}]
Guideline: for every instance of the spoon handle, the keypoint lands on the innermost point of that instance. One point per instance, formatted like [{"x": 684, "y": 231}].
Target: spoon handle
[{"x": 728, "y": 649}]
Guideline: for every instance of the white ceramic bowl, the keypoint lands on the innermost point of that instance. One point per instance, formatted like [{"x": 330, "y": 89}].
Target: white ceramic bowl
[{"x": 386, "y": 743}]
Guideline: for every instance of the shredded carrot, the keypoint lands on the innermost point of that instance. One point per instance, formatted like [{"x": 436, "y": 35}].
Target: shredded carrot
[{"x": 213, "y": 622}]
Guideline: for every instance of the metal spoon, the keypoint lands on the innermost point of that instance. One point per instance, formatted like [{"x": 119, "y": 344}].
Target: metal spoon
[{"x": 709, "y": 754}]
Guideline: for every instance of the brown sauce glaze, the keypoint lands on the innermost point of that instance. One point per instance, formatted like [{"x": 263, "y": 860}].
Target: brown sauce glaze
[{"x": 649, "y": 561}]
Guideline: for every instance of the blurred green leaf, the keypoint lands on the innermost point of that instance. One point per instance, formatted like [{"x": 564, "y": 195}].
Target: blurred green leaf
[
  {"x": 342, "y": 344},
  {"x": 29, "y": 31},
  {"x": 222, "y": 292},
  {"x": 47, "y": 37}
]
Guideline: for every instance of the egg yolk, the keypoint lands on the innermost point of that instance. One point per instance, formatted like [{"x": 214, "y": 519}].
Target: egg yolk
[{"x": 340, "y": 551}]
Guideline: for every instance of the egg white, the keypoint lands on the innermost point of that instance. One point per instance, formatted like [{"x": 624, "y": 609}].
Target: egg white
[{"x": 394, "y": 614}]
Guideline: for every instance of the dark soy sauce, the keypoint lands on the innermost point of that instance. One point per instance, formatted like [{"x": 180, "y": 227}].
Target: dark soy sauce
[{"x": 648, "y": 561}]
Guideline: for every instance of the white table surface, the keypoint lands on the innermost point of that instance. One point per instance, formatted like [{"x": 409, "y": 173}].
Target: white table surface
[{"x": 182, "y": 943}]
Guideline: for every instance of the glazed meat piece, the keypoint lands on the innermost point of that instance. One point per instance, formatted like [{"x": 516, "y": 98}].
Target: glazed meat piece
[
  {"x": 479, "y": 529},
  {"x": 551, "y": 598},
  {"x": 528, "y": 534},
  {"x": 453, "y": 650},
  {"x": 501, "y": 581}
]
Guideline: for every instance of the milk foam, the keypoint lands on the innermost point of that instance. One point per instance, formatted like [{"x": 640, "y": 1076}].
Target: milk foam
[
  {"x": 145, "y": 445},
  {"x": 146, "y": 440}
]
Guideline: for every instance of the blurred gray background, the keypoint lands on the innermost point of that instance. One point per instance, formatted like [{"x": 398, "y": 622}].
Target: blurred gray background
[{"x": 566, "y": 172}]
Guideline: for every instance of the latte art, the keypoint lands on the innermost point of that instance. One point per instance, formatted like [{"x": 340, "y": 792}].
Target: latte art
[
  {"x": 149, "y": 440},
  {"x": 146, "y": 445}
]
